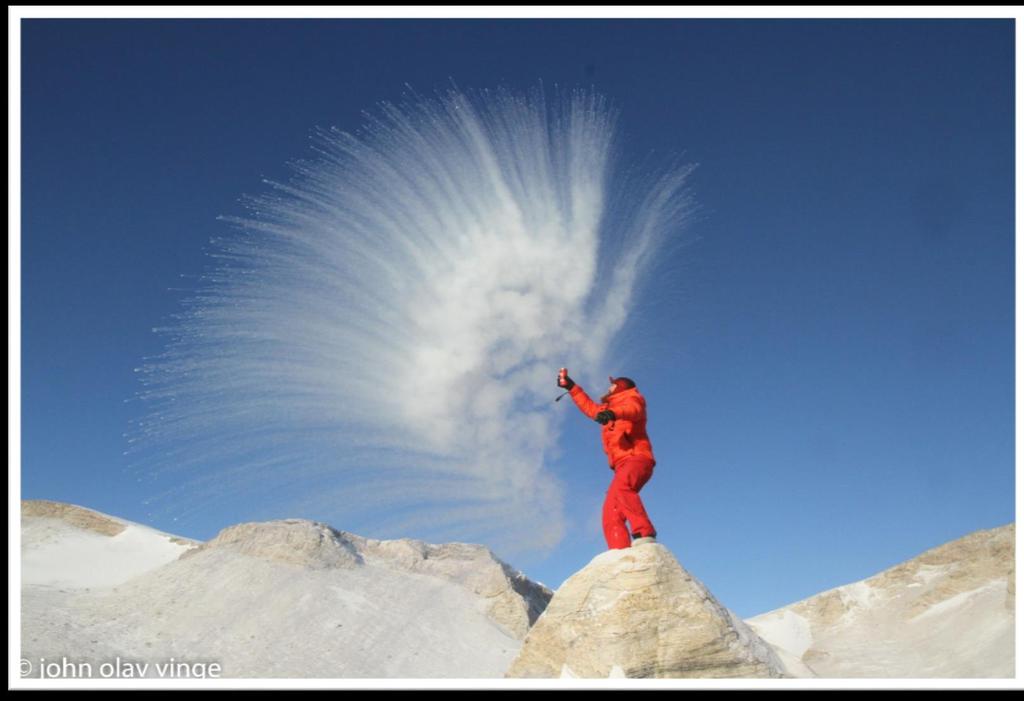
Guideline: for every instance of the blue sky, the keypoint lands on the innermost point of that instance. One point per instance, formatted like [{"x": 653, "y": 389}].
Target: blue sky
[{"x": 828, "y": 362}]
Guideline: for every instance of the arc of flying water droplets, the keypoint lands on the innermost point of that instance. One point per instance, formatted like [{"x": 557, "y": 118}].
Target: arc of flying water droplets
[{"x": 376, "y": 343}]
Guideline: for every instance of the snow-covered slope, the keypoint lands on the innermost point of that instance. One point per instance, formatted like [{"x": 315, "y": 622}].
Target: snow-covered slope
[
  {"x": 277, "y": 599},
  {"x": 300, "y": 599},
  {"x": 946, "y": 613},
  {"x": 71, "y": 547}
]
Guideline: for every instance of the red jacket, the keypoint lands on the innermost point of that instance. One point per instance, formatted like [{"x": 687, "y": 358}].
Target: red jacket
[{"x": 626, "y": 436}]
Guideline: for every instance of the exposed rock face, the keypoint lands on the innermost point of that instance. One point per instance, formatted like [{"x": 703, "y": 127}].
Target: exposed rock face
[
  {"x": 946, "y": 613},
  {"x": 513, "y": 601},
  {"x": 637, "y": 613}
]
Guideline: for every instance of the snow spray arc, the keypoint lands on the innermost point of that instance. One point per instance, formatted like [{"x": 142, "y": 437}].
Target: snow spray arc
[{"x": 372, "y": 341}]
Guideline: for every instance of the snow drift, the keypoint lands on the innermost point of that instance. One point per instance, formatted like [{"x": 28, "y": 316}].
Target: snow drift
[{"x": 70, "y": 547}]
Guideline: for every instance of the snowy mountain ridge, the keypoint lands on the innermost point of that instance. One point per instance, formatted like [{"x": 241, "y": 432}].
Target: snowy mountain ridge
[
  {"x": 295, "y": 598},
  {"x": 278, "y": 599},
  {"x": 514, "y": 602},
  {"x": 948, "y": 612}
]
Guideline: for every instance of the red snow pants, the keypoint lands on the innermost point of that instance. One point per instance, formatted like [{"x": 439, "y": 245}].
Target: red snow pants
[{"x": 622, "y": 503}]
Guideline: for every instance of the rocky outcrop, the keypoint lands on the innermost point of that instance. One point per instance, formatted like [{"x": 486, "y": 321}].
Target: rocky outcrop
[
  {"x": 946, "y": 613},
  {"x": 637, "y": 613},
  {"x": 513, "y": 601}
]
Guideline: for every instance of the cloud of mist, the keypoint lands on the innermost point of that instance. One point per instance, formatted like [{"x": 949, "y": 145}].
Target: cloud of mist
[{"x": 377, "y": 342}]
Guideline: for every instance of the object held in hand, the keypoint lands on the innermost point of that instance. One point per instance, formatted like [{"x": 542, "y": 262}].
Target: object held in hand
[{"x": 563, "y": 379}]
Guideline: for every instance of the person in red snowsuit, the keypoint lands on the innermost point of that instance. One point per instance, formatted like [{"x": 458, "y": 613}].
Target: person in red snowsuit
[{"x": 622, "y": 412}]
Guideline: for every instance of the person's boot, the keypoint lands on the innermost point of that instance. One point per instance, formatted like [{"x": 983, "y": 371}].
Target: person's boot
[{"x": 643, "y": 540}]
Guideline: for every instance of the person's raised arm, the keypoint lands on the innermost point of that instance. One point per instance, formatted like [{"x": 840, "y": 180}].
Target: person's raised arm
[{"x": 587, "y": 405}]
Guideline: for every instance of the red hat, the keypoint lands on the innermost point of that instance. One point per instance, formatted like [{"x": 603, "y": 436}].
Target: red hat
[{"x": 621, "y": 383}]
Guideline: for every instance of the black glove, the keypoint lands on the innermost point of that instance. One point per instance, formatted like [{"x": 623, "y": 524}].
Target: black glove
[
  {"x": 565, "y": 382},
  {"x": 605, "y": 416}
]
